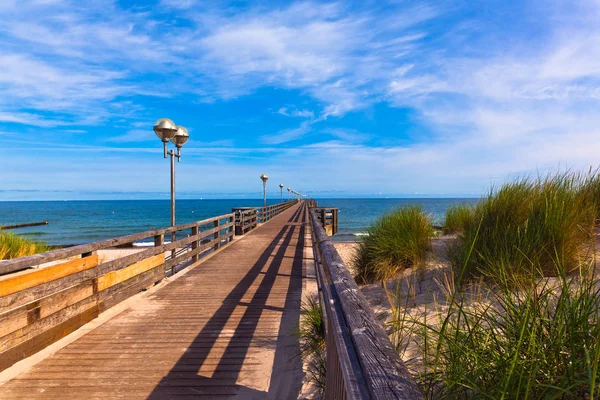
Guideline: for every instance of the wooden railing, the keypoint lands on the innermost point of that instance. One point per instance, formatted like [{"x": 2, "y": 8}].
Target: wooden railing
[
  {"x": 69, "y": 287},
  {"x": 328, "y": 218},
  {"x": 268, "y": 212},
  {"x": 46, "y": 296},
  {"x": 361, "y": 360},
  {"x": 246, "y": 219}
]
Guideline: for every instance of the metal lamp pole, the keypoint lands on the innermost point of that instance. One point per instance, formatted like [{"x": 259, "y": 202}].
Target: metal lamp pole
[
  {"x": 264, "y": 178},
  {"x": 288, "y": 194},
  {"x": 281, "y": 192},
  {"x": 167, "y": 131}
]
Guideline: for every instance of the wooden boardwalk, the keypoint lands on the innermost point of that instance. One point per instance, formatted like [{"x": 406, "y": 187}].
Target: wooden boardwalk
[{"x": 222, "y": 330}]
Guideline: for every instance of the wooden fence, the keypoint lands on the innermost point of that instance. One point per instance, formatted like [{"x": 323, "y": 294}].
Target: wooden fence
[
  {"x": 361, "y": 361},
  {"x": 266, "y": 213},
  {"x": 248, "y": 218},
  {"x": 71, "y": 286}
]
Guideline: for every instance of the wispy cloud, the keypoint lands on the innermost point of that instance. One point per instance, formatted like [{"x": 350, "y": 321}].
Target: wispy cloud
[
  {"x": 468, "y": 94},
  {"x": 295, "y": 113}
]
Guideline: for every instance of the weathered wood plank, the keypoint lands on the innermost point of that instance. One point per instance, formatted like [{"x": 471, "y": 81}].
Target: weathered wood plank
[
  {"x": 112, "y": 278},
  {"x": 46, "y": 338},
  {"x": 122, "y": 291},
  {"x": 26, "y": 296},
  {"x": 38, "y": 327},
  {"x": 12, "y": 284},
  {"x": 13, "y": 320},
  {"x": 65, "y": 298},
  {"x": 26, "y": 314}
]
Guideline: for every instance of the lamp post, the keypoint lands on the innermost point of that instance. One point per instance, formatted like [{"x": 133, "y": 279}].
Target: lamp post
[
  {"x": 167, "y": 131},
  {"x": 264, "y": 178},
  {"x": 281, "y": 192},
  {"x": 288, "y": 194}
]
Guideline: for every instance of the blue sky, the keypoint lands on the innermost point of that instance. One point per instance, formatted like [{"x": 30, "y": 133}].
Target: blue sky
[{"x": 372, "y": 98}]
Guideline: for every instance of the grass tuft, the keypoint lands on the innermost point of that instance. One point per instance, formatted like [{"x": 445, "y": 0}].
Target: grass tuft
[
  {"x": 312, "y": 344},
  {"x": 397, "y": 240},
  {"x": 528, "y": 228},
  {"x": 15, "y": 246},
  {"x": 538, "y": 341},
  {"x": 457, "y": 217}
]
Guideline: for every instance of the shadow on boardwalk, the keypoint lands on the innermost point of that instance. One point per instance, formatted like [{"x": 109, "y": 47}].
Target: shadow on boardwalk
[{"x": 285, "y": 250}]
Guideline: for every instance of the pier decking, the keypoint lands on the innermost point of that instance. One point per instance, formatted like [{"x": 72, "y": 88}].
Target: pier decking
[{"x": 225, "y": 328}]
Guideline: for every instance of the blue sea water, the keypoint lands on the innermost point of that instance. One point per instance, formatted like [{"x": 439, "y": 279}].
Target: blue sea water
[{"x": 75, "y": 222}]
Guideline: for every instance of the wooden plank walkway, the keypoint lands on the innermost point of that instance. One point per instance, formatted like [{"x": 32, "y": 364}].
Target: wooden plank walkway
[{"x": 222, "y": 330}]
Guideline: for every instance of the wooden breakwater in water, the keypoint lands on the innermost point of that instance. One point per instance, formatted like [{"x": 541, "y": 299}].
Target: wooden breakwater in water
[{"x": 2, "y": 228}]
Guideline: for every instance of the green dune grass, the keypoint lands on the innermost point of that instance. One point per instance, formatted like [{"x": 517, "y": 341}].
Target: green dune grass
[
  {"x": 528, "y": 228},
  {"x": 15, "y": 246},
  {"x": 397, "y": 240}
]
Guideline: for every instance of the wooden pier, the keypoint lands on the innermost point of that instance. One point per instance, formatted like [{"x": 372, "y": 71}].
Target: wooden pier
[{"x": 222, "y": 323}]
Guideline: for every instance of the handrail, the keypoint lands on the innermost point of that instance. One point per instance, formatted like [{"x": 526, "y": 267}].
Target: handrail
[
  {"x": 361, "y": 361},
  {"x": 268, "y": 212},
  {"x": 248, "y": 218},
  {"x": 83, "y": 249}
]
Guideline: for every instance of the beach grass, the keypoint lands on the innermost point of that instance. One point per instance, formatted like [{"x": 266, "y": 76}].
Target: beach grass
[
  {"x": 457, "y": 216},
  {"x": 528, "y": 228},
  {"x": 531, "y": 340},
  {"x": 397, "y": 240},
  {"x": 312, "y": 344},
  {"x": 15, "y": 246}
]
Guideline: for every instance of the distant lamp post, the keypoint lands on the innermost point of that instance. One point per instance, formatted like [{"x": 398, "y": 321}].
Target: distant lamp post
[
  {"x": 288, "y": 194},
  {"x": 264, "y": 178},
  {"x": 167, "y": 131},
  {"x": 281, "y": 192}
]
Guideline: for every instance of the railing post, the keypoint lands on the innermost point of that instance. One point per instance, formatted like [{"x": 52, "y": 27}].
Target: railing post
[
  {"x": 334, "y": 221},
  {"x": 195, "y": 243},
  {"x": 231, "y": 228},
  {"x": 217, "y": 235},
  {"x": 159, "y": 240}
]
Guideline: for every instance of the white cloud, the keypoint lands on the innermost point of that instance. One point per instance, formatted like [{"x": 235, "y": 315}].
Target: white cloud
[
  {"x": 494, "y": 106},
  {"x": 296, "y": 113}
]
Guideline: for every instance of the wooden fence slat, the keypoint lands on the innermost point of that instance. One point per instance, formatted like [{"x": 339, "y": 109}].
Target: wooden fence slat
[
  {"x": 65, "y": 298},
  {"x": 122, "y": 291},
  {"x": 41, "y": 325},
  {"x": 46, "y": 338},
  {"x": 112, "y": 278},
  {"x": 13, "y": 320},
  {"x": 26, "y": 296},
  {"x": 13, "y": 284}
]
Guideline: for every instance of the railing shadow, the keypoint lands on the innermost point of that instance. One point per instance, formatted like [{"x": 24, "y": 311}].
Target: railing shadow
[{"x": 223, "y": 378}]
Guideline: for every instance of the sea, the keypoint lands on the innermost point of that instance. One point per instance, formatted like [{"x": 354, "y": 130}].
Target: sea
[{"x": 84, "y": 221}]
